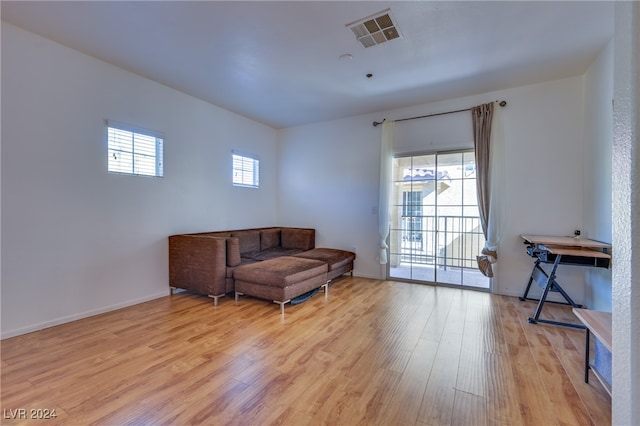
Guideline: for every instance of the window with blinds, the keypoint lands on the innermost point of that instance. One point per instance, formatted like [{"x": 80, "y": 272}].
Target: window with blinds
[
  {"x": 246, "y": 171},
  {"x": 134, "y": 152}
]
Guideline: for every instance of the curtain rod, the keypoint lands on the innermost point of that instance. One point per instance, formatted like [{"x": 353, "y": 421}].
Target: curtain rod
[{"x": 376, "y": 123}]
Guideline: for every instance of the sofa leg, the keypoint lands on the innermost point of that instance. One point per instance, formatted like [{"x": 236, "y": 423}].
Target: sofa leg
[
  {"x": 238, "y": 294},
  {"x": 325, "y": 286},
  {"x": 171, "y": 289},
  {"x": 215, "y": 298},
  {"x": 282, "y": 305}
]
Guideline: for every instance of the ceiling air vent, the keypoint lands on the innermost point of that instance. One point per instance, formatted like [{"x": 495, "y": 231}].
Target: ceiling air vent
[{"x": 375, "y": 29}]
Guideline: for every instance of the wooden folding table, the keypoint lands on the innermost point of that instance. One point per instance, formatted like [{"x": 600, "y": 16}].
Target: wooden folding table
[{"x": 560, "y": 251}]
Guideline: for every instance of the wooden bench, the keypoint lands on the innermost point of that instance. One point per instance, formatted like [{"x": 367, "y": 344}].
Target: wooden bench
[{"x": 598, "y": 323}]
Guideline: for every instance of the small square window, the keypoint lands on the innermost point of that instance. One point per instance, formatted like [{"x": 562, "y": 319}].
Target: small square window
[
  {"x": 246, "y": 171},
  {"x": 134, "y": 152}
]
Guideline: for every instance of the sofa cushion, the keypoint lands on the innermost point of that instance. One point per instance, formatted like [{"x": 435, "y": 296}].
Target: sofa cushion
[
  {"x": 249, "y": 240},
  {"x": 271, "y": 253},
  {"x": 269, "y": 238},
  {"x": 233, "y": 251},
  {"x": 230, "y": 269},
  {"x": 281, "y": 272},
  {"x": 214, "y": 234},
  {"x": 335, "y": 258},
  {"x": 297, "y": 238}
]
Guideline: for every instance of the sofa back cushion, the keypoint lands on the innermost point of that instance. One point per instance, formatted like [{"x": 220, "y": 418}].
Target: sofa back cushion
[
  {"x": 269, "y": 238},
  {"x": 249, "y": 240},
  {"x": 214, "y": 234},
  {"x": 298, "y": 238}
]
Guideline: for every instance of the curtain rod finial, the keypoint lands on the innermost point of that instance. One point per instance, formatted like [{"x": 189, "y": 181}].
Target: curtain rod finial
[
  {"x": 503, "y": 103},
  {"x": 377, "y": 123}
]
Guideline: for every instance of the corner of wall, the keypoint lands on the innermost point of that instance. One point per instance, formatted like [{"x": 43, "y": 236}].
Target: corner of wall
[{"x": 597, "y": 173}]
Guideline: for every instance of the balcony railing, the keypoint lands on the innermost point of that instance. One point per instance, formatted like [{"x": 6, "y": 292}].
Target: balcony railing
[{"x": 442, "y": 241}]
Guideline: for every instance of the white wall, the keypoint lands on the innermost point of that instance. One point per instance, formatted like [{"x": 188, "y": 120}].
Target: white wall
[
  {"x": 77, "y": 240},
  {"x": 444, "y": 132},
  {"x": 598, "y": 136},
  {"x": 338, "y": 162},
  {"x": 329, "y": 180},
  {"x": 626, "y": 216}
]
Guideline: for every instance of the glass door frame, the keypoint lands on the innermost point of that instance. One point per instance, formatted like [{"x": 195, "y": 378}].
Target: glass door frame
[{"x": 425, "y": 230}]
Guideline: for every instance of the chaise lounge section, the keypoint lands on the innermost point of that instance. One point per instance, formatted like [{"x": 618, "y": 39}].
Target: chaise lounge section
[
  {"x": 281, "y": 279},
  {"x": 339, "y": 261}
]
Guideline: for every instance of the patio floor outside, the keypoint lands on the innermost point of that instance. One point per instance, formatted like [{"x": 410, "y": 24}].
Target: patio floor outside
[{"x": 450, "y": 275}]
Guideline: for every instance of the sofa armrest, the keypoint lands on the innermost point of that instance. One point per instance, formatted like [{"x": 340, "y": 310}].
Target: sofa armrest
[
  {"x": 198, "y": 263},
  {"x": 233, "y": 251}
]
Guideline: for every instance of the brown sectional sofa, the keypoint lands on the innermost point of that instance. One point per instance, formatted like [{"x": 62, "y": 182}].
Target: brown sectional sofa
[{"x": 205, "y": 262}]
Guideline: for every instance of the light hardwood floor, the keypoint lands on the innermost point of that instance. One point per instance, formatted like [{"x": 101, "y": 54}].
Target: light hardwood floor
[{"x": 373, "y": 352}]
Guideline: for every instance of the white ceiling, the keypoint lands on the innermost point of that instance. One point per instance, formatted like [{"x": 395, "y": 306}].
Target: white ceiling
[{"x": 278, "y": 62}]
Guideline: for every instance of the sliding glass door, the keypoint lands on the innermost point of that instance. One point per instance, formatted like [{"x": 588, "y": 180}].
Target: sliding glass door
[{"x": 435, "y": 230}]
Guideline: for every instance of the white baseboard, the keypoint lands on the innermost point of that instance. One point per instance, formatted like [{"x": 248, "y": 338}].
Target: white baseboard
[
  {"x": 366, "y": 276},
  {"x": 508, "y": 293},
  {"x": 74, "y": 317},
  {"x": 551, "y": 297}
]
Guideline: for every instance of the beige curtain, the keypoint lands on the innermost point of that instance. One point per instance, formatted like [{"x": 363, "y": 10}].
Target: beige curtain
[
  {"x": 384, "y": 206},
  {"x": 482, "y": 116}
]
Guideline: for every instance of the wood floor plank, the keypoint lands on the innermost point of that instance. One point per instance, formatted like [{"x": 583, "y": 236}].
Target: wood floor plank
[
  {"x": 566, "y": 402},
  {"x": 502, "y": 403},
  {"x": 369, "y": 353},
  {"x": 535, "y": 403},
  {"x": 472, "y": 369},
  {"x": 437, "y": 404},
  {"x": 434, "y": 328},
  {"x": 404, "y": 406},
  {"x": 595, "y": 398},
  {"x": 468, "y": 409}
]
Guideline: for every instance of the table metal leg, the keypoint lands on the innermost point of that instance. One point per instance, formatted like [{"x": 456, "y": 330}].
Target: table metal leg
[
  {"x": 586, "y": 358},
  {"x": 550, "y": 285},
  {"x": 526, "y": 292},
  {"x": 547, "y": 287}
]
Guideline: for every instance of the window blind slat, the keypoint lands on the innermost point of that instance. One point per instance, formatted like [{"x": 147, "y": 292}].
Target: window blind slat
[
  {"x": 245, "y": 171},
  {"x": 134, "y": 153}
]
